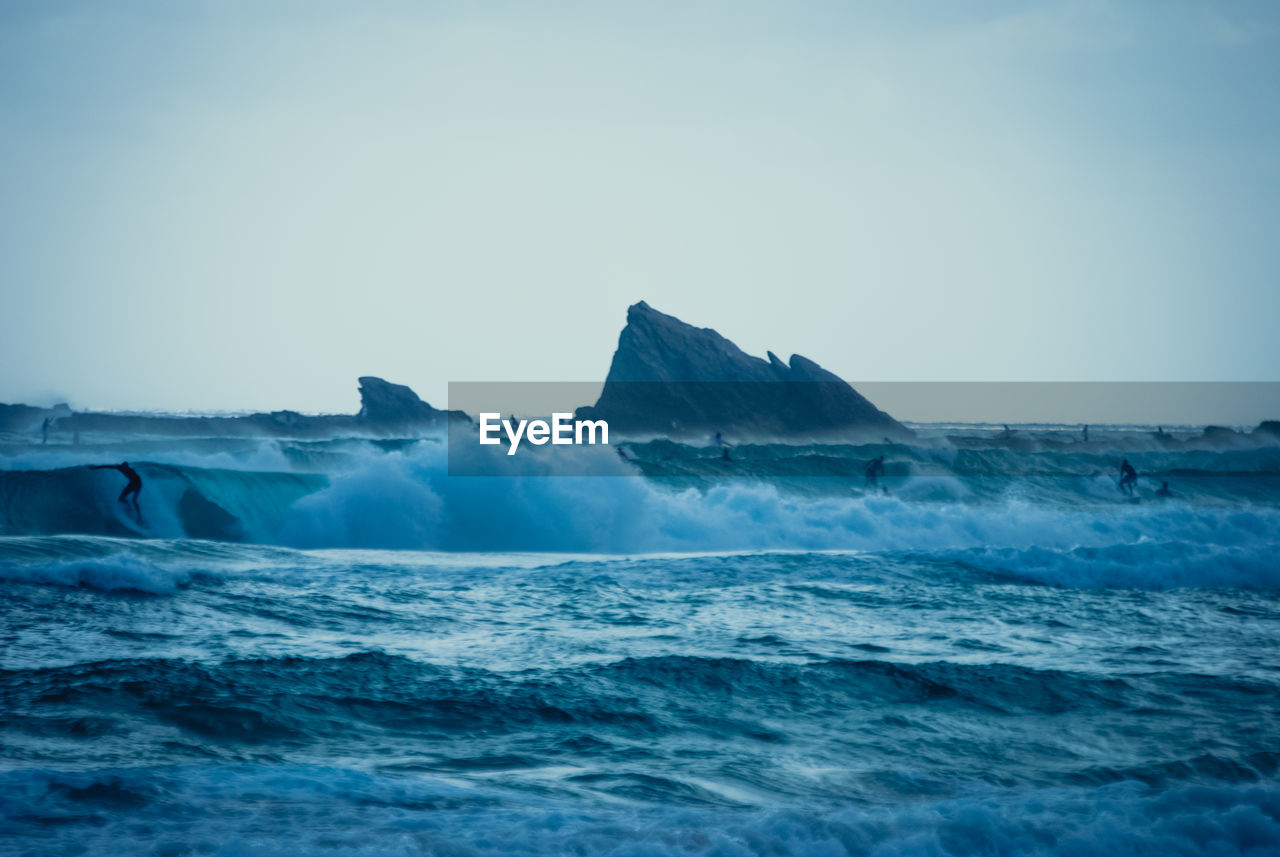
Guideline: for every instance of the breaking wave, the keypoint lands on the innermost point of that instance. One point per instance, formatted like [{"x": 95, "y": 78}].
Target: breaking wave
[{"x": 1071, "y": 530}]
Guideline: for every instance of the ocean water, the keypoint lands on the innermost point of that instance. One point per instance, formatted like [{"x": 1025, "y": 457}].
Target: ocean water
[{"x": 336, "y": 648}]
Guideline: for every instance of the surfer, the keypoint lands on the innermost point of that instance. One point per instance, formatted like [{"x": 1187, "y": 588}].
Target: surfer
[
  {"x": 44, "y": 430},
  {"x": 132, "y": 489},
  {"x": 1164, "y": 490},
  {"x": 1128, "y": 477},
  {"x": 874, "y": 470},
  {"x": 718, "y": 441}
]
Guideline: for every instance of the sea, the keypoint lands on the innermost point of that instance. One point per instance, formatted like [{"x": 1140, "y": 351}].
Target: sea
[{"x": 335, "y": 647}]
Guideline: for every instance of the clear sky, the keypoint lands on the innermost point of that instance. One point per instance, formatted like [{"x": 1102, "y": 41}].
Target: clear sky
[{"x": 245, "y": 205}]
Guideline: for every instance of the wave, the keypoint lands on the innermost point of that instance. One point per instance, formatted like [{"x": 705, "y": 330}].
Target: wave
[
  {"x": 176, "y": 501},
  {"x": 121, "y": 572},
  {"x": 1143, "y": 564},
  {"x": 166, "y": 567},
  {"x": 667, "y": 458},
  {"x": 1063, "y": 530},
  {"x": 309, "y": 699},
  {"x": 256, "y": 701},
  {"x": 305, "y": 810},
  {"x": 662, "y": 730}
]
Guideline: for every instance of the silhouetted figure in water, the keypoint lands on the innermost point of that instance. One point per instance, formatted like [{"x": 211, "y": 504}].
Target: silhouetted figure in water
[
  {"x": 1128, "y": 477},
  {"x": 131, "y": 490},
  {"x": 875, "y": 469},
  {"x": 1086, "y": 434},
  {"x": 44, "y": 430},
  {"x": 1164, "y": 490},
  {"x": 718, "y": 441}
]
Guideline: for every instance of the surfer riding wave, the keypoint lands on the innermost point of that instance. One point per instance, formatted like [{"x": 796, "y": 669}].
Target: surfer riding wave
[{"x": 134, "y": 486}]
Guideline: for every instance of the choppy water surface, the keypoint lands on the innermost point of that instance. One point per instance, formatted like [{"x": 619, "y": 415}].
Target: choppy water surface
[{"x": 754, "y": 671}]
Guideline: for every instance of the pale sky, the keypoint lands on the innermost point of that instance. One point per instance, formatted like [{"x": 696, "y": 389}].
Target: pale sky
[{"x": 246, "y": 205}]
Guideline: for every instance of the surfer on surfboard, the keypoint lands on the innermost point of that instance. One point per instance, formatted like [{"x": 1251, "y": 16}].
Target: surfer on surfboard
[
  {"x": 1128, "y": 477},
  {"x": 874, "y": 470},
  {"x": 132, "y": 489}
]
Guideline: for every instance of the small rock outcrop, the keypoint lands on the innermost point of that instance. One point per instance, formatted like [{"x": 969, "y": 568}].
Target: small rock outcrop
[{"x": 384, "y": 403}]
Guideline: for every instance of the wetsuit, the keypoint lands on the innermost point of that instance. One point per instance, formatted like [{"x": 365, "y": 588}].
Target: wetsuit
[
  {"x": 1128, "y": 478},
  {"x": 134, "y": 485}
]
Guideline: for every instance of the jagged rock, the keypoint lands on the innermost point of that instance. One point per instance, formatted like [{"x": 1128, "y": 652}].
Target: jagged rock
[
  {"x": 384, "y": 402},
  {"x": 668, "y": 377}
]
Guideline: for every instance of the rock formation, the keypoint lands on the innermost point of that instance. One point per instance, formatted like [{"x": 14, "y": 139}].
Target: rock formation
[
  {"x": 386, "y": 409},
  {"x": 671, "y": 378},
  {"x": 384, "y": 403}
]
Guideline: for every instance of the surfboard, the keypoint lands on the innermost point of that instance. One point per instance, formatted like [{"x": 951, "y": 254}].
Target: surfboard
[{"x": 132, "y": 520}]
